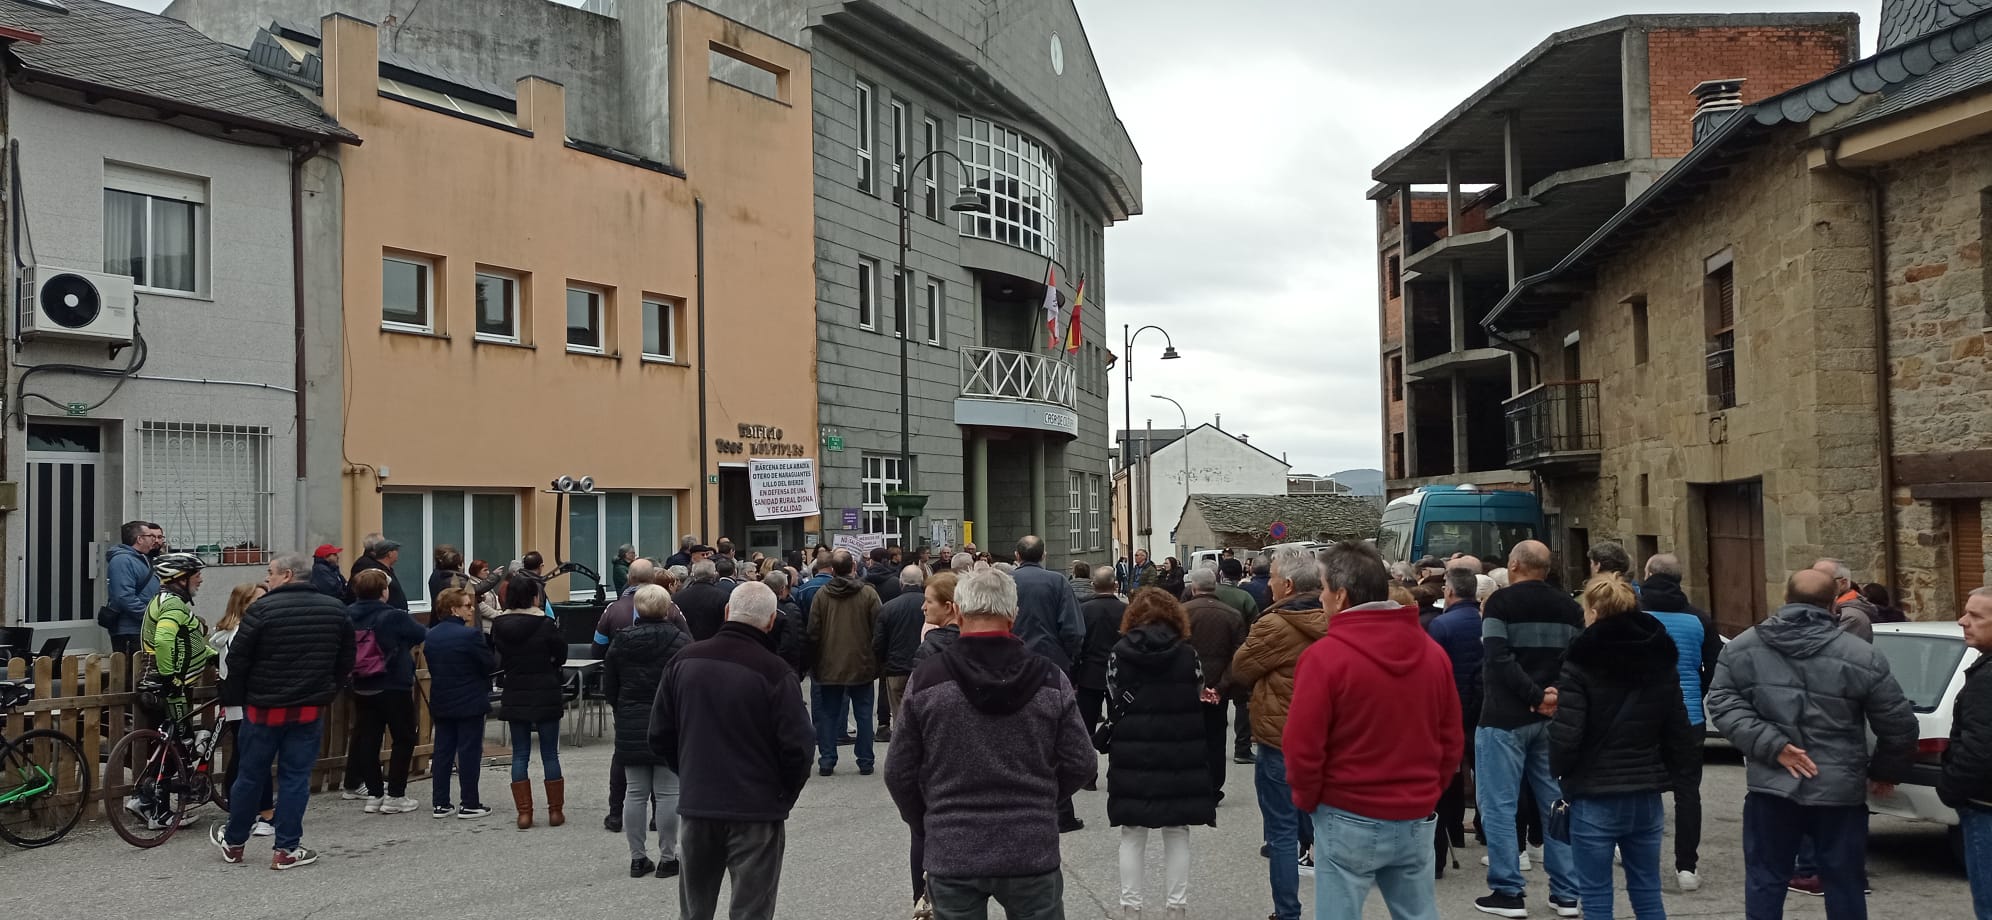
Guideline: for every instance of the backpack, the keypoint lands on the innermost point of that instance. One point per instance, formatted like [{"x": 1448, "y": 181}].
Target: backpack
[{"x": 368, "y": 660}]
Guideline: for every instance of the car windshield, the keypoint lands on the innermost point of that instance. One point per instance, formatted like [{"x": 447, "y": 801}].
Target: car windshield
[
  {"x": 1484, "y": 539},
  {"x": 1923, "y": 665}
]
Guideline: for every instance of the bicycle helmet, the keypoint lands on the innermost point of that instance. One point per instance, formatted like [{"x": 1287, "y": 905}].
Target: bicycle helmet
[{"x": 173, "y": 566}]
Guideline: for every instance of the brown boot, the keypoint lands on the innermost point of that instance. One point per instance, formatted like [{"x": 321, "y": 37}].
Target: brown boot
[
  {"x": 522, "y": 799},
  {"x": 556, "y": 796}
]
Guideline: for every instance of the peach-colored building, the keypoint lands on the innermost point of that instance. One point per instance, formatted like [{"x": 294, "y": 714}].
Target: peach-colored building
[{"x": 521, "y": 304}]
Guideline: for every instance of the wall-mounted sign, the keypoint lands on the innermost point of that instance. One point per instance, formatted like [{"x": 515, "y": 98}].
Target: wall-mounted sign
[
  {"x": 851, "y": 518},
  {"x": 782, "y": 489},
  {"x": 759, "y": 441}
]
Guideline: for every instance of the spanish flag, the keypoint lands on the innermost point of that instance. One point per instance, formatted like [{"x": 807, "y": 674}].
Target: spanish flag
[{"x": 1072, "y": 337}]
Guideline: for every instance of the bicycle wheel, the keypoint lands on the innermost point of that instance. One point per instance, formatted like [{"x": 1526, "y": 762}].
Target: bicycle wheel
[
  {"x": 44, "y": 784},
  {"x": 145, "y": 789}
]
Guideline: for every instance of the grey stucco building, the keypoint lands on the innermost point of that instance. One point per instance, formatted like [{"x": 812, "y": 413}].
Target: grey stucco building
[{"x": 1005, "y": 431}]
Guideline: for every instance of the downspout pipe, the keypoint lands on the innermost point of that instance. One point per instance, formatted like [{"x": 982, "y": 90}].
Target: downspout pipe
[
  {"x": 1884, "y": 410},
  {"x": 299, "y": 157},
  {"x": 705, "y": 443}
]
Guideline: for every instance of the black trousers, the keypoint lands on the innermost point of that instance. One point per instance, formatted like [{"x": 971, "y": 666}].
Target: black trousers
[
  {"x": 390, "y": 712},
  {"x": 750, "y": 852},
  {"x": 1092, "y": 707},
  {"x": 1241, "y": 727},
  {"x": 1688, "y": 815},
  {"x": 618, "y": 784},
  {"x": 1215, "y": 756}
]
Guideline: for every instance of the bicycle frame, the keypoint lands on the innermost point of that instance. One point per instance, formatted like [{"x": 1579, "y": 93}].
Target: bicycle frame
[{"x": 45, "y": 783}]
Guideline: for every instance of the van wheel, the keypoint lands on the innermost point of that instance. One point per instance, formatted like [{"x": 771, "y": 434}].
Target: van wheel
[{"x": 1956, "y": 836}]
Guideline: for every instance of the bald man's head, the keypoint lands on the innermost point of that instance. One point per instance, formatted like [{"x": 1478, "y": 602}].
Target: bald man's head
[
  {"x": 1810, "y": 586},
  {"x": 1529, "y": 560}
]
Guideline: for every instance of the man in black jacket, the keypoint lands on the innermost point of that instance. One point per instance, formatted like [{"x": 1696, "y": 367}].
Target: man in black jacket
[
  {"x": 729, "y": 721},
  {"x": 703, "y": 601},
  {"x": 1966, "y": 783},
  {"x": 1102, "y": 614},
  {"x": 325, "y": 574},
  {"x": 383, "y": 555},
  {"x": 895, "y": 640},
  {"x": 288, "y": 660}
]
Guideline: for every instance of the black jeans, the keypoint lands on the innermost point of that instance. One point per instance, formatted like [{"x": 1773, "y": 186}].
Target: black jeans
[
  {"x": 391, "y": 712},
  {"x": 618, "y": 784},
  {"x": 1772, "y": 828},
  {"x": 1023, "y": 897},
  {"x": 1688, "y": 813},
  {"x": 1092, "y": 707},
  {"x": 749, "y": 851},
  {"x": 1241, "y": 725},
  {"x": 1215, "y": 736}
]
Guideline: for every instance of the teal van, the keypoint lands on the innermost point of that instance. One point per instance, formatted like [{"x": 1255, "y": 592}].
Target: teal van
[{"x": 1443, "y": 520}]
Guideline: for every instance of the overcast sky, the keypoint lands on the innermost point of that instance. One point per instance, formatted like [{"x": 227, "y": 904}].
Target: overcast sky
[{"x": 1258, "y": 122}]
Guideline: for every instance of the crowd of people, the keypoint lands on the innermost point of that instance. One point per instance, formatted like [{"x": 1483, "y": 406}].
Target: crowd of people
[{"x": 1375, "y": 703}]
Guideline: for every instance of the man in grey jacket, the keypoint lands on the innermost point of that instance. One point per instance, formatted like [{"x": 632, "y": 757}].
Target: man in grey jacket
[{"x": 1797, "y": 695}]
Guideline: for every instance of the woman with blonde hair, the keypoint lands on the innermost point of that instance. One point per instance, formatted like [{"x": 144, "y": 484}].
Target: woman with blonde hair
[
  {"x": 1156, "y": 774},
  {"x": 224, "y": 633},
  {"x": 1620, "y": 738}
]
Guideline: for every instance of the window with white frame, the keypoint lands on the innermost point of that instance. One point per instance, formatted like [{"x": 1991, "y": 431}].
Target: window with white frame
[
  {"x": 600, "y": 525},
  {"x": 1095, "y": 535},
  {"x": 867, "y": 119},
  {"x": 585, "y": 317},
  {"x": 936, "y": 308},
  {"x": 209, "y": 487},
  {"x": 481, "y": 525},
  {"x": 498, "y": 305},
  {"x": 933, "y": 129},
  {"x": 1075, "y": 484},
  {"x": 867, "y": 294},
  {"x": 660, "y": 329},
  {"x": 407, "y": 292},
  {"x": 1019, "y": 181},
  {"x": 898, "y": 143},
  {"x": 155, "y": 228},
  {"x": 881, "y": 475}
]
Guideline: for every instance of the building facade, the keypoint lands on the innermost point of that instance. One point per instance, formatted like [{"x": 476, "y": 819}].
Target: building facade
[
  {"x": 152, "y": 356},
  {"x": 1167, "y": 466}
]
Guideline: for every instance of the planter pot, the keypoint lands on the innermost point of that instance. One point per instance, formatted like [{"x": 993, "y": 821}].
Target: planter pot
[{"x": 905, "y": 504}]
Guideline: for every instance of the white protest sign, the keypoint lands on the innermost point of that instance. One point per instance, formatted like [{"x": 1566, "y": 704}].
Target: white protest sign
[
  {"x": 782, "y": 489},
  {"x": 860, "y": 544}
]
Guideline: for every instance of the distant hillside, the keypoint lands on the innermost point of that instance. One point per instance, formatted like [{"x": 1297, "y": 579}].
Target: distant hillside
[{"x": 1361, "y": 482}]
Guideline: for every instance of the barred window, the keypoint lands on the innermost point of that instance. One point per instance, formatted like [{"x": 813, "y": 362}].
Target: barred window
[
  {"x": 209, "y": 487},
  {"x": 1020, "y": 181},
  {"x": 1094, "y": 535},
  {"x": 1074, "y": 511},
  {"x": 881, "y": 475}
]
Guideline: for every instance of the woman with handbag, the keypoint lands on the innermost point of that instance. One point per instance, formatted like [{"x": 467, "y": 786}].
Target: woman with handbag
[
  {"x": 1620, "y": 738},
  {"x": 1154, "y": 742},
  {"x": 530, "y": 653}
]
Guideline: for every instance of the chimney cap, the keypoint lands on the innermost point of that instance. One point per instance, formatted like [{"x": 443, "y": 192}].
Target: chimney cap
[{"x": 1708, "y": 88}]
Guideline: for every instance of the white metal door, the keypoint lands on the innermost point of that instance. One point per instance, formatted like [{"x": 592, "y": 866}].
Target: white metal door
[{"x": 64, "y": 505}]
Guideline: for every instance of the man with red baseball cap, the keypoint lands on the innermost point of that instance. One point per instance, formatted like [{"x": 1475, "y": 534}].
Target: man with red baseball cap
[{"x": 325, "y": 574}]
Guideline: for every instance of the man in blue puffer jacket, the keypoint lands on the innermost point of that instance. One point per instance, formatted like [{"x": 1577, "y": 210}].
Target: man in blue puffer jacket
[
  {"x": 1457, "y": 630},
  {"x": 129, "y": 585},
  {"x": 1698, "y": 643}
]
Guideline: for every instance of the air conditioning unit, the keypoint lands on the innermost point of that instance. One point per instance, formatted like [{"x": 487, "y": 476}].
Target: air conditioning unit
[{"x": 76, "y": 305}]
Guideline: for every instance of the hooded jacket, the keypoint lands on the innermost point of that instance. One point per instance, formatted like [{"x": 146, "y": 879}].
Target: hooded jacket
[
  {"x": 884, "y": 579},
  {"x": 989, "y": 736},
  {"x": 1695, "y": 638},
  {"x": 1797, "y": 679},
  {"x": 1156, "y": 774},
  {"x": 631, "y": 672},
  {"x": 1375, "y": 727},
  {"x": 842, "y": 623},
  {"x": 939, "y": 638},
  {"x": 1621, "y": 726},
  {"x": 1267, "y": 660},
  {"x": 327, "y": 579},
  {"x": 397, "y": 634}
]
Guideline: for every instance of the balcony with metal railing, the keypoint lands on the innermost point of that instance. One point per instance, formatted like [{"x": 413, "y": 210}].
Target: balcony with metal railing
[
  {"x": 1017, "y": 389},
  {"x": 1554, "y": 427}
]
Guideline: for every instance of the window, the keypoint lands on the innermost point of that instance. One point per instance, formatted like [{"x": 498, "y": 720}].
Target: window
[
  {"x": 1393, "y": 277},
  {"x": 1719, "y": 305},
  {"x": 602, "y": 522},
  {"x": 1075, "y": 484},
  {"x": 660, "y": 330},
  {"x": 498, "y": 306},
  {"x": 407, "y": 289},
  {"x": 155, "y": 228},
  {"x": 1639, "y": 327},
  {"x": 1019, "y": 182},
  {"x": 933, "y": 129},
  {"x": 936, "y": 308},
  {"x": 1095, "y": 533},
  {"x": 898, "y": 144},
  {"x": 1397, "y": 378},
  {"x": 209, "y": 487},
  {"x": 881, "y": 475},
  {"x": 483, "y": 525},
  {"x": 1397, "y": 455},
  {"x": 867, "y": 294},
  {"x": 584, "y": 319},
  {"x": 867, "y": 118}
]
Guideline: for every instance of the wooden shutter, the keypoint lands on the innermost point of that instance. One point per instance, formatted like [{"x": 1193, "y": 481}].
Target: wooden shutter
[{"x": 1967, "y": 548}]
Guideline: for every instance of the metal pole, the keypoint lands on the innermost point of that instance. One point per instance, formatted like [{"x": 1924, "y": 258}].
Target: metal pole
[
  {"x": 1127, "y": 432},
  {"x": 905, "y": 331},
  {"x": 1186, "y": 451},
  {"x": 1148, "y": 487}
]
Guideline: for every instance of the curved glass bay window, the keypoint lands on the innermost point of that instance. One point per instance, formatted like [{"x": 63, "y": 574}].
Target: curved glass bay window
[{"x": 1020, "y": 180}]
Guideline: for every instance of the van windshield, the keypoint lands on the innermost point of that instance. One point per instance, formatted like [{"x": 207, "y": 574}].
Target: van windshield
[{"x": 1488, "y": 540}]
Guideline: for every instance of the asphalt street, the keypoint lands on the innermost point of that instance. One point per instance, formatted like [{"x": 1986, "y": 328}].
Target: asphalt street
[{"x": 846, "y": 858}]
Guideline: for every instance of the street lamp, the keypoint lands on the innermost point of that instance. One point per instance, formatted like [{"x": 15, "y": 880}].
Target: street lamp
[
  {"x": 968, "y": 200},
  {"x": 1186, "y": 450},
  {"x": 1127, "y": 413}
]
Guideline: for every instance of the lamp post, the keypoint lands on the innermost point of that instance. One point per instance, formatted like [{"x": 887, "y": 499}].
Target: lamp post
[
  {"x": 968, "y": 200},
  {"x": 1127, "y": 413},
  {"x": 1186, "y": 452}
]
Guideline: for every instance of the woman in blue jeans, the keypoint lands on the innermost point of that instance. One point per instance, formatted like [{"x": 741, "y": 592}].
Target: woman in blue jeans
[
  {"x": 530, "y": 652},
  {"x": 1620, "y": 738}
]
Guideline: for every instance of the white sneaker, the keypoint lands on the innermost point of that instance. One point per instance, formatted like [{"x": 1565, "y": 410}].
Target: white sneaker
[
  {"x": 373, "y": 805},
  {"x": 352, "y": 795},
  {"x": 1526, "y": 862},
  {"x": 398, "y": 806},
  {"x": 263, "y": 829},
  {"x": 1307, "y": 864},
  {"x": 1531, "y": 857},
  {"x": 1688, "y": 879}
]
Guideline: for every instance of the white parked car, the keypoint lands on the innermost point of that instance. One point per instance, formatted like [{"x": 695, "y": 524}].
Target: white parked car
[{"x": 1928, "y": 660}]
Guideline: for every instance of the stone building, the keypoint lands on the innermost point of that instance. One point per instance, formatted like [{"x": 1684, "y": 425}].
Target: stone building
[
  {"x": 1736, "y": 314},
  {"x": 1216, "y": 521}
]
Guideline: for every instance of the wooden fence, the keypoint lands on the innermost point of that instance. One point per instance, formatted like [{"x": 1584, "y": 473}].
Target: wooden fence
[{"x": 85, "y": 696}]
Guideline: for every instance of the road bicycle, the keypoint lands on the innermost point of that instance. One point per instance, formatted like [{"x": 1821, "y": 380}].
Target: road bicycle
[
  {"x": 154, "y": 777},
  {"x": 44, "y": 781}
]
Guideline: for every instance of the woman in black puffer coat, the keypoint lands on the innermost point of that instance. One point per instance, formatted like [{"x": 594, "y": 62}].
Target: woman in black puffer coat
[
  {"x": 1156, "y": 775},
  {"x": 530, "y": 653},
  {"x": 631, "y": 671},
  {"x": 1620, "y": 738}
]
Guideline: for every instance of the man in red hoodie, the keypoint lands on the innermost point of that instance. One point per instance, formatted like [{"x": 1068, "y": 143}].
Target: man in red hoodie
[{"x": 1371, "y": 741}]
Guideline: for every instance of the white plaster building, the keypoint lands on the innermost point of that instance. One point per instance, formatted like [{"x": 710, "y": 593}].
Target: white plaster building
[{"x": 1206, "y": 459}]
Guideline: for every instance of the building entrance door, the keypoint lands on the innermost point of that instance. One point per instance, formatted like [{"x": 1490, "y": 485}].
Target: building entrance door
[
  {"x": 64, "y": 505},
  {"x": 1735, "y": 514}
]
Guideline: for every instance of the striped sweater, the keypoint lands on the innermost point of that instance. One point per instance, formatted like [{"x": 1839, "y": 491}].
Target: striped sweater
[{"x": 1524, "y": 630}]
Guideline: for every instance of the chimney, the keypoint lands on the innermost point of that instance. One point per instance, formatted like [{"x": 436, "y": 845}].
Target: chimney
[
  {"x": 1245, "y": 437},
  {"x": 1715, "y": 102},
  {"x": 1219, "y": 424}
]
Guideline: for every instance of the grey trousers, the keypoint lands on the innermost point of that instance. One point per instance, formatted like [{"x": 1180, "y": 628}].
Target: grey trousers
[
  {"x": 748, "y": 851},
  {"x": 651, "y": 783},
  {"x": 1024, "y": 897}
]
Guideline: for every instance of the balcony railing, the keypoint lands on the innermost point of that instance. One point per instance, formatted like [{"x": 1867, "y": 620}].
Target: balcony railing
[
  {"x": 998, "y": 373},
  {"x": 1554, "y": 424}
]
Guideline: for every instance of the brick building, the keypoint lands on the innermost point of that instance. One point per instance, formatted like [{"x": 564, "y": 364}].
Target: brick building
[
  {"x": 1531, "y": 165},
  {"x": 1735, "y": 316}
]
